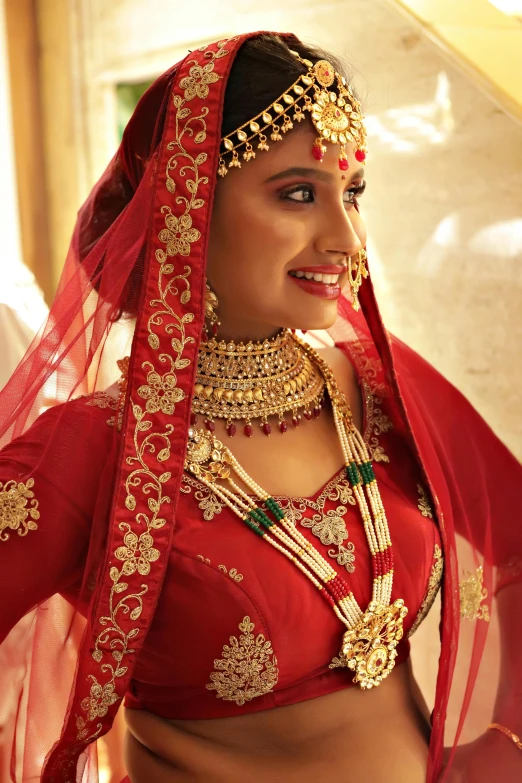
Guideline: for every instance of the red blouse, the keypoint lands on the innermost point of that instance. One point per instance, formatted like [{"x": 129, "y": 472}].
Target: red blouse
[{"x": 238, "y": 628}]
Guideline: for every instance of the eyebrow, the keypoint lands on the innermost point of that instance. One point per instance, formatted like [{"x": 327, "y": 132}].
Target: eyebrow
[{"x": 323, "y": 176}]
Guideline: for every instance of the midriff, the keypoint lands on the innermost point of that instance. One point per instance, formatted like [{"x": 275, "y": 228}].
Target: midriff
[{"x": 350, "y": 736}]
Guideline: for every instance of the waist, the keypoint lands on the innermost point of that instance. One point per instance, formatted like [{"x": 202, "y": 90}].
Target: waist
[{"x": 349, "y": 735}]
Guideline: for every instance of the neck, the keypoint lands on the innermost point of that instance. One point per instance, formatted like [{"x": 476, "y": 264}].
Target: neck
[{"x": 244, "y": 333}]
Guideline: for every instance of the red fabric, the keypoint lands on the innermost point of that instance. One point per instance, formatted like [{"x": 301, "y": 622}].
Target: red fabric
[
  {"x": 201, "y": 605},
  {"x": 140, "y": 247}
]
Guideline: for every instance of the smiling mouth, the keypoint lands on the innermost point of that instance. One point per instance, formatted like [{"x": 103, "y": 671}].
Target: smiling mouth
[{"x": 318, "y": 277}]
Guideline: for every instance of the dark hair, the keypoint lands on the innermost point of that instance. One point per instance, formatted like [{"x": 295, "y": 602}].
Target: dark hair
[{"x": 264, "y": 68}]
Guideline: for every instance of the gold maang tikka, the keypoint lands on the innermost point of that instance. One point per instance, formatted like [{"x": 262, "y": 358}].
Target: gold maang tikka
[{"x": 334, "y": 110}]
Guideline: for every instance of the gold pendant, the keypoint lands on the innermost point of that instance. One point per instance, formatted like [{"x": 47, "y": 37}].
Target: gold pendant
[{"x": 369, "y": 649}]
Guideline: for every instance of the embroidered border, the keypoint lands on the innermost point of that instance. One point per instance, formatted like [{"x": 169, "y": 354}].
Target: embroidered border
[
  {"x": 145, "y": 485},
  {"x": 434, "y": 582}
]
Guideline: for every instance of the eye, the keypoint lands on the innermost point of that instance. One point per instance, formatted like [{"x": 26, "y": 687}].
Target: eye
[
  {"x": 305, "y": 194},
  {"x": 302, "y": 194},
  {"x": 354, "y": 193}
]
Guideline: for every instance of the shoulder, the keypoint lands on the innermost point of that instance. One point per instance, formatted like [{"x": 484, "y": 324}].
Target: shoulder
[{"x": 66, "y": 431}]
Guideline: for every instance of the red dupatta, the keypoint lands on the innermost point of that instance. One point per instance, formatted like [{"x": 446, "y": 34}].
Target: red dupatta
[{"x": 140, "y": 244}]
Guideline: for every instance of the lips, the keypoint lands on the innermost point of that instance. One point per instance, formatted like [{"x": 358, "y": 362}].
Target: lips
[
  {"x": 321, "y": 281},
  {"x": 317, "y": 288}
]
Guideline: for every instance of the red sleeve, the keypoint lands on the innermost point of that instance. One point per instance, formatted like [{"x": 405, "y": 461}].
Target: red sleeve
[{"x": 49, "y": 479}]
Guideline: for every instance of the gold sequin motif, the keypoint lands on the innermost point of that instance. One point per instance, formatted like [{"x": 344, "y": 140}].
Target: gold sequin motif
[
  {"x": 18, "y": 508},
  {"x": 472, "y": 594},
  {"x": 247, "y": 668},
  {"x": 423, "y": 502}
]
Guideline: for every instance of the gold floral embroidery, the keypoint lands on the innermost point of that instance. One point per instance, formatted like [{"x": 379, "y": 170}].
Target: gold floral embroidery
[
  {"x": 472, "y": 593},
  {"x": 233, "y": 573},
  {"x": 137, "y": 554},
  {"x": 369, "y": 369},
  {"x": 18, "y": 508},
  {"x": 160, "y": 391},
  {"x": 330, "y": 527},
  {"x": 208, "y": 502},
  {"x": 247, "y": 669},
  {"x": 377, "y": 423},
  {"x": 102, "y": 399},
  {"x": 152, "y": 446},
  {"x": 423, "y": 504},
  {"x": 179, "y": 234},
  {"x": 433, "y": 588},
  {"x": 196, "y": 83}
]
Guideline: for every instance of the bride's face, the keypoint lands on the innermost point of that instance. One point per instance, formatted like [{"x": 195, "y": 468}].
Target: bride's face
[{"x": 279, "y": 217}]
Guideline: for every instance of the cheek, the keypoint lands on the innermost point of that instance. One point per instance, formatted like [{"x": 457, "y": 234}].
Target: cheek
[{"x": 259, "y": 234}]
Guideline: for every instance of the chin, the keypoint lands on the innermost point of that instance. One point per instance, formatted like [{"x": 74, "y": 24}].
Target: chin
[{"x": 315, "y": 321}]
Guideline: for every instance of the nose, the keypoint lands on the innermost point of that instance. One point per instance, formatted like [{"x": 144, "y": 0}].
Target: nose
[{"x": 337, "y": 234}]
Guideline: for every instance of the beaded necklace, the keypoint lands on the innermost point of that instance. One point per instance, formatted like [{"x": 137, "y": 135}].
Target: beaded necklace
[{"x": 371, "y": 636}]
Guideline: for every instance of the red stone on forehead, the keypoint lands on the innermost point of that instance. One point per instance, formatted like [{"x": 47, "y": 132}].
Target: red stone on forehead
[
  {"x": 360, "y": 156},
  {"x": 343, "y": 164}
]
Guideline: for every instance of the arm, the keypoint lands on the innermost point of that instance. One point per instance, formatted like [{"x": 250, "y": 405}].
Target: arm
[{"x": 49, "y": 481}]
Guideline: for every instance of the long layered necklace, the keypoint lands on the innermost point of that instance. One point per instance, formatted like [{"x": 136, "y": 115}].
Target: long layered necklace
[{"x": 369, "y": 642}]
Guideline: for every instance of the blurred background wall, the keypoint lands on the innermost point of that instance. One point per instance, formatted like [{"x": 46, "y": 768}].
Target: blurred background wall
[{"x": 441, "y": 84}]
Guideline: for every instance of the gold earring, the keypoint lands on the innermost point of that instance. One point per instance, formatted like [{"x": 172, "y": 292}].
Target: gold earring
[
  {"x": 212, "y": 322},
  {"x": 356, "y": 272}
]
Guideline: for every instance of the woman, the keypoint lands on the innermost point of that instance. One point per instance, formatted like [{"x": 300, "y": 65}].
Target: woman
[{"x": 136, "y": 520}]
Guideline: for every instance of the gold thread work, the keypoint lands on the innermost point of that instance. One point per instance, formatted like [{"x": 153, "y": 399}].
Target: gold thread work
[
  {"x": 472, "y": 594},
  {"x": 434, "y": 581},
  {"x": 232, "y": 573},
  {"x": 18, "y": 508},
  {"x": 423, "y": 502},
  {"x": 247, "y": 668},
  {"x": 160, "y": 393}
]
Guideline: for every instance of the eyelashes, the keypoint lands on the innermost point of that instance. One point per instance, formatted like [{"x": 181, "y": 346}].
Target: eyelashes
[{"x": 308, "y": 193}]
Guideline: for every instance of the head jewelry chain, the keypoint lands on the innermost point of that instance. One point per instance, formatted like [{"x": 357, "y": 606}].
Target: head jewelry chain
[{"x": 323, "y": 93}]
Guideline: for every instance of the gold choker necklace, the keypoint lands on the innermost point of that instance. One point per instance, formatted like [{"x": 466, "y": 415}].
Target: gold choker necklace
[{"x": 241, "y": 382}]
